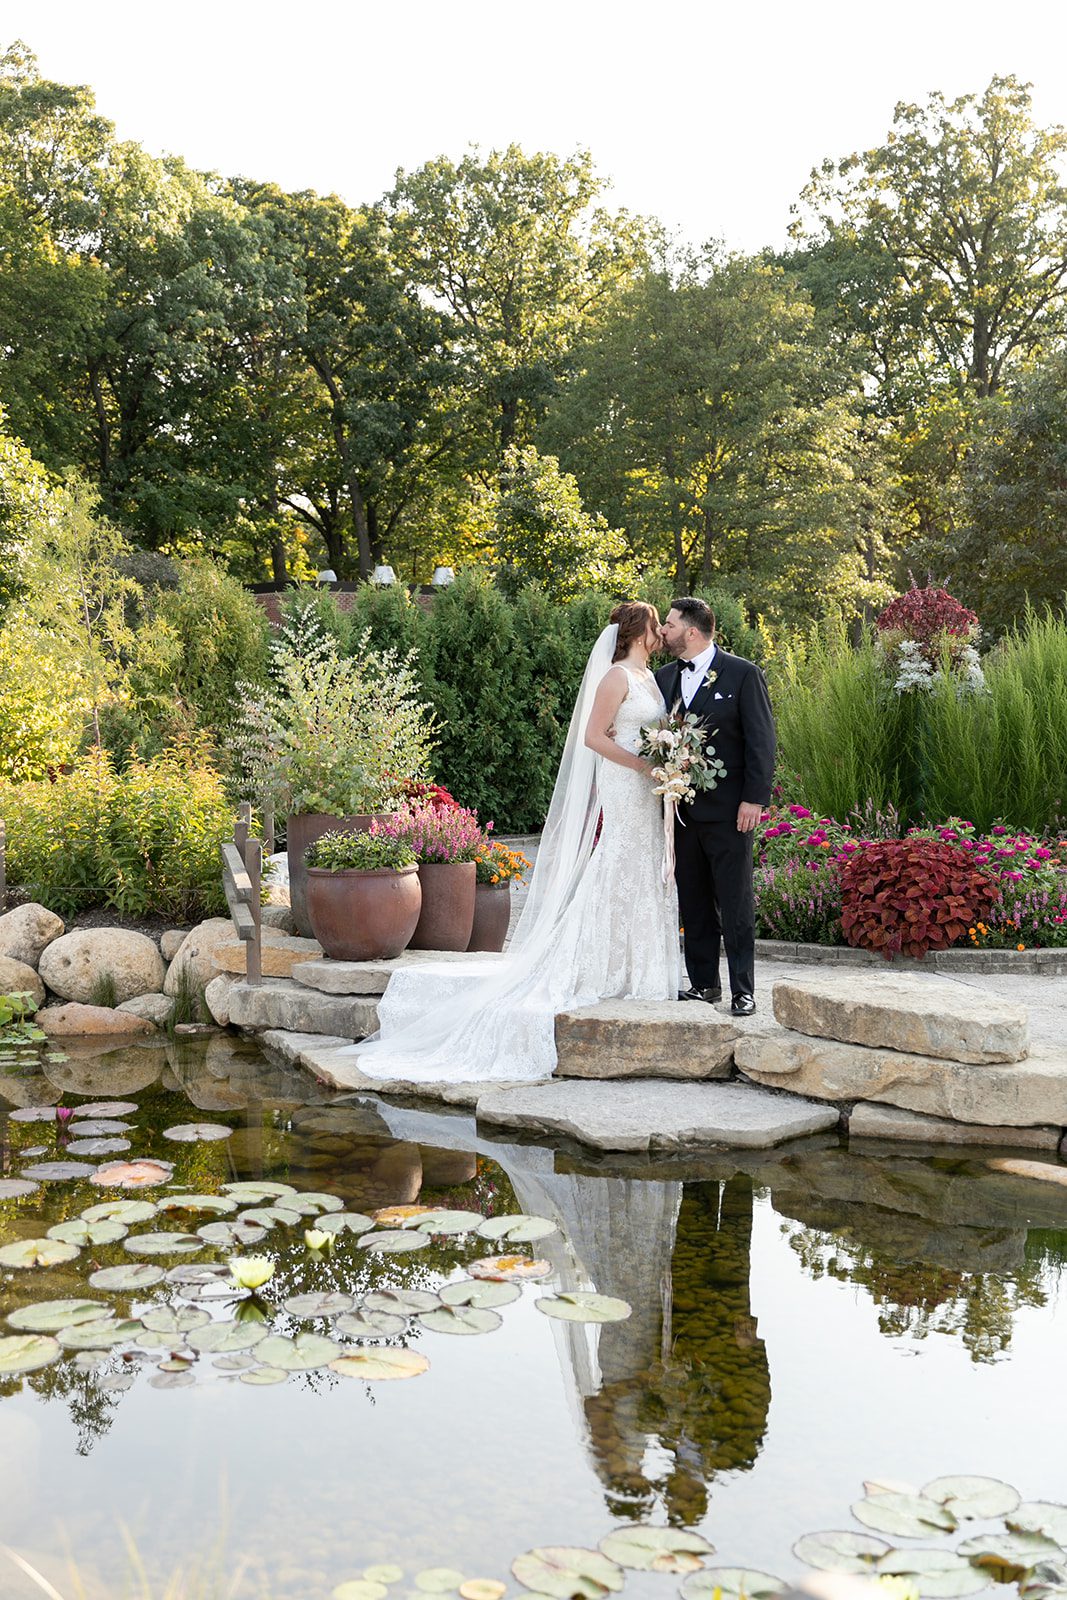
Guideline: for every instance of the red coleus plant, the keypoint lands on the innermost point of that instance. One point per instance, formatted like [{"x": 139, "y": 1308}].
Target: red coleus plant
[
  {"x": 926, "y": 615},
  {"x": 908, "y": 896}
]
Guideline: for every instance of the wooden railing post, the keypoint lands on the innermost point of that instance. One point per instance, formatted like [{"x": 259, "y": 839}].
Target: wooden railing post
[
  {"x": 3, "y": 865},
  {"x": 253, "y": 860},
  {"x": 242, "y": 877}
]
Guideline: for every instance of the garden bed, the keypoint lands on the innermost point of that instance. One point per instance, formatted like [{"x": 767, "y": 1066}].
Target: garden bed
[{"x": 1036, "y": 963}]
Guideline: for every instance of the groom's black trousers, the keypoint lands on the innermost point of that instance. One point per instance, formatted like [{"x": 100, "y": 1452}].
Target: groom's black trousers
[{"x": 716, "y": 902}]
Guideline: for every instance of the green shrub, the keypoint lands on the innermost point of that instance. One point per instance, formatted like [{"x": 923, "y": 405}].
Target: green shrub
[
  {"x": 103, "y": 992},
  {"x": 222, "y": 633},
  {"x": 359, "y": 852}
]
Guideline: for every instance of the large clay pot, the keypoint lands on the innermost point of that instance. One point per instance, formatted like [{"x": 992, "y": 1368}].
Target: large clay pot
[
  {"x": 447, "y": 905},
  {"x": 492, "y": 914},
  {"x": 302, "y": 829},
  {"x": 363, "y": 916}
]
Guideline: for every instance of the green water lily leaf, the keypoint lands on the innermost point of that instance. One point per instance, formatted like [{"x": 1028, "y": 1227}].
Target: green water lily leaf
[
  {"x": 224, "y": 1338},
  {"x": 33, "y": 1114},
  {"x": 581, "y": 1305},
  {"x": 840, "y": 1551},
  {"x": 197, "y": 1132},
  {"x": 517, "y": 1228},
  {"x": 393, "y": 1241},
  {"x": 57, "y": 1171},
  {"x": 16, "y": 1188},
  {"x": 380, "y": 1364},
  {"x": 1040, "y": 1516},
  {"x": 163, "y": 1244},
  {"x": 568, "y": 1573},
  {"x": 116, "y": 1382},
  {"x": 100, "y": 1335},
  {"x": 97, "y": 1147},
  {"x": 220, "y": 1205},
  {"x": 336, "y": 1222},
  {"x": 445, "y": 1223},
  {"x": 732, "y": 1583},
  {"x": 127, "y": 1211},
  {"x": 49, "y": 1315},
  {"x": 176, "y": 1377},
  {"x": 168, "y": 1319},
  {"x": 78, "y": 1231},
  {"x": 262, "y": 1376},
  {"x": 142, "y": 1173},
  {"x": 482, "y": 1589},
  {"x": 1006, "y": 1556},
  {"x": 94, "y": 1129},
  {"x": 325, "y": 1304},
  {"x": 1046, "y": 1581},
  {"x": 312, "y": 1203},
  {"x": 107, "y": 1108},
  {"x": 302, "y": 1354},
  {"x": 485, "y": 1293},
  {"x": 169, "y": 1342},
  {"x": 23, "y": 1253},
  {"x": 934, "y": 1572},
  {"x": 26, "y": 1352},
  {"x": 359, "y": 1589},
  {"x": 240, "y": 1361},
  {"x": 233, "y": 1235},
  {"x": 971, "y": 1497},
  {"x": 910, "y": 1516},
  {"x": 646, "y": 1549},
  {"x": 367, "y": 1324},
  {"x": 438, "y": 1580},
  {"x": 270, "y": 1217},
  {"x": 509, "y": 1268},
  {"x": 460, "y": 1319},
  {"x": 402, "y": 1302},
  {"x": 383, "y": 1573},
  {"x": 127, "y": 1279},
  {"x": 255, "y": 1191}
]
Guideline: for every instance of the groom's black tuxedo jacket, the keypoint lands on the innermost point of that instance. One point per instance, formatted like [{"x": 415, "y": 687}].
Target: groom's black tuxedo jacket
[{"x": 734, "y": 706}]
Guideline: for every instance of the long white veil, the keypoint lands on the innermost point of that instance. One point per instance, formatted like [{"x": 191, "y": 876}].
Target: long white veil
[{"x": 427, "y": 1008}]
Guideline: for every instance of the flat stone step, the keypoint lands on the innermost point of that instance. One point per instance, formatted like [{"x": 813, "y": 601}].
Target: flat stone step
[
  {"x": 334, "y": 1061},
  {"x": 372, "y": 977},
  {"x": 871, "y": 1121},
  {"x": 644, "y": 1114},
  {"x": 646, "y": 1039},
  {"x": 279, "y": 952},
  {"x": 1025, "y": 1094},
  {"x": 281, "y": 1003},
  {"x": 920, "y": 1016}
]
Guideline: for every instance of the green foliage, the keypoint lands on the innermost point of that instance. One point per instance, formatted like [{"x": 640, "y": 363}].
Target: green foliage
[
  {"x": 143, "y": 843},
  {"x": 189, "y": 1003},
  {"x": 359, "y": 852},
  {"x": 542, "y": 534},
  {"x": 103, "y": 991},
  {"x": 43, "y": 706},
  {"x": 221, "y": 634},
  {"x": 17, "y": 1026}
]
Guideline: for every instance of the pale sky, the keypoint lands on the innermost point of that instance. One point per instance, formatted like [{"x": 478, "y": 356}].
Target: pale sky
[{"x": 708, "y": 115}]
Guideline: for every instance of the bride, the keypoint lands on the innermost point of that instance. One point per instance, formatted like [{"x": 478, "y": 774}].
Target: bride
[{"x": 599, "y": 922}]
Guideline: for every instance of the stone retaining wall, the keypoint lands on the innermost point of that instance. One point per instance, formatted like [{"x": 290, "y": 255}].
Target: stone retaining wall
[{"x": 1034, "y": 963}]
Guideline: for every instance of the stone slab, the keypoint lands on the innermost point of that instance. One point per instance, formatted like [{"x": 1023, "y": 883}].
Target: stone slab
[
  {"x": 872, "y": 1121},
  {"x": 334, "y": 1061},
  {"x": 280, "y": 1003},
  {"x": 644, "y": 1114},
  {"x": 645, "y": 1039},
  {"x": 934, "y": 1017},
  {"x": 345, "y": 977},
  {"x": 279, "y": 952},
  {"x": 1026, "y": 1094}
]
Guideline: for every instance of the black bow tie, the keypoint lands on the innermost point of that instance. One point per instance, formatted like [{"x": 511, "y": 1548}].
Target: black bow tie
[{"x": 689, "y": 666}]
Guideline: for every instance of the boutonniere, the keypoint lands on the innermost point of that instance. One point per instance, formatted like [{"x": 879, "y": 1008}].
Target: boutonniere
[{"x": 712, "y": 677}]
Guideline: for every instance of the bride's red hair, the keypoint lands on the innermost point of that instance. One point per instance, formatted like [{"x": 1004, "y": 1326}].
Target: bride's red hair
[{"x": 633, "y": 618}]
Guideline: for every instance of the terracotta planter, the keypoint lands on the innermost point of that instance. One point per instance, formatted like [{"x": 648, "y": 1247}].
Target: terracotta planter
[
  {"x": 492, "y": 914},
  {"x": 447, "y": 905},
  {"x": 363, "y": 916},
  {"x": 302, "y": 829}
]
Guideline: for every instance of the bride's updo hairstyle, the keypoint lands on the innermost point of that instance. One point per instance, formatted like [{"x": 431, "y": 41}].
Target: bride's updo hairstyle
[{"x": 633, "y": 618}]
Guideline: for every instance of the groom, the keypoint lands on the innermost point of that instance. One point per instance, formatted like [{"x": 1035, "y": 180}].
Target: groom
[{"x": 713, "y": 833}]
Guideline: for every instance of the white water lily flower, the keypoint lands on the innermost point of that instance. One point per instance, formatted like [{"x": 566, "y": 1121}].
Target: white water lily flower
[
  {"x": 316, "y": 1239},
  {"x": 251, "y": 1272}
]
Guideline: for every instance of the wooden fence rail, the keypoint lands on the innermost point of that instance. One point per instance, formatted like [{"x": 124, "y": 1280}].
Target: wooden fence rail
[
  {"x": 242, "y": 870},
  {"x": 3, "y": 865}
]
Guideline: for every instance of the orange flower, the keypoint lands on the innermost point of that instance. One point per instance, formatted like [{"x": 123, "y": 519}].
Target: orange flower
[{"x": 1020, "y": 947}]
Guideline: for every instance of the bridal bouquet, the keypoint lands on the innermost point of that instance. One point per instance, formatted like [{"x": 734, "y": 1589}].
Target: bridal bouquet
[{"x": 682, "y": 762}]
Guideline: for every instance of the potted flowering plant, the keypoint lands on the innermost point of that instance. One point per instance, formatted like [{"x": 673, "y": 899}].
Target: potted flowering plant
[
  {"x": 331, "y": 740},
  {"x": 363, "y": 895},
  {"x": 496, "y": 869},
  {"x": 445, "y": 841}
]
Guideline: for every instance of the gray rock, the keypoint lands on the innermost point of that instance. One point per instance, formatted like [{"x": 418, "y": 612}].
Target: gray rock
[
  {"x": 217, "y": 998},
  {"x": 73, "y": 965},
  {"x": 869, "y": 1121},
  {"x": 79, "y": 1021},
  {"x": 642, "y": 1114},
  {"x": 18, "y": 977},
  {"x": 345, "y": 977},
  {"x": 171, "y": 942},
  {"x": 192, "y": 961},
  {"x": 27, "y": 930},
  {"x": 280, "y": 918},
  {"x": 335, "y": 1061},
  {"x": 921, "y": 1016},
  {"x": 279, "y": 954},
  {"x": 155, "y": 1007},
  {"x": 1027, "y": 1094},
  {"x": 280, "y": 1003},
  {"x": 645, "y": 1039}
]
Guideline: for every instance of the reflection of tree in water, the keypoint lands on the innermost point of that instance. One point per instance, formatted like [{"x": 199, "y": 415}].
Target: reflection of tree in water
[
  {"x": 699, "y": 1405},
  {"x": 92, "y": 1409}
]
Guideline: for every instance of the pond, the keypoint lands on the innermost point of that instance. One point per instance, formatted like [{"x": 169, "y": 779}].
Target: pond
[{"x": 801, "y": 1321}]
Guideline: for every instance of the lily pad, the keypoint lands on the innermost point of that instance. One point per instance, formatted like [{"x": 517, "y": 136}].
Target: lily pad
[
  {"x": 910, "y": 1516},
  {"x": 219, "y": 1205},
  {"x": 517, "y": 1228},
  {"x": 838, "y": 1551},
  {"x": 240, "y": 1361},
  {"x": 400, "y": 1216},
  {"x": 568, "y": 1573},
  {"x": 1006, "y": 1556},
  {"x": 166, "y": 1319},
  {"x": 127, "y": 1211},
  {"x": 141, "y": 1174},
  {"x": 197, "y": 1132},
  {"x": 270, "y": 1217},
  {"x": 1046, "y": 1581},
  {"x": 367, "y": 1324},
  {"x": 78, "y": 1231},
  {"x": 16, "y": 1188},
  {"x": 732, "y": 1583},
  {"x": 232, "y": 1235},
  {"x": 393, "y": 1241},
  {"x": 445, "y": 1223},
  {"x": 509, "y": 1268},
  {"x": 97, "y": 1147},
  {"x": 302, "y": 1354},
  {"x": 359, "y": 1589},
  {"x": 106, "y": 1108},
  {"x": 970, "y": 1497},
  {"x": 127, "y": 1279},
  {"x": 345, "y": 1222},
  {"x": 1040, "y": 1516},
  {"x": 179, "y": 1377},
  {"x": 313, "y": 1204},
  {"x": 37, "y": 1253},
  {"x": 57, "y": 1171},
  {"x": 646, "y": 1549},
  {"x": 93, "y": 1129},
  {"x": 482, "y": 1589},
  {"x": 438, "y": 1580},
  {"x": 380, "y": 1364},
  {"x": 49, "y": 1315},
  {"x": 116, "y": 1382},
  {"x": 403, "y": 1302},
  {"x": 199, "y": 1273},
  {"x": 580, "y": 1305},
  {"x": 26, "y": 1352},
  {"x": 33, "y": 1114},
  {"x": 101, "y": 1335},
  {"x": 260, "y": 1377},
  {"x": 934, "y": 1572},
  {"x": 163, "y": 1244},
  {"x": 486, "y": 1293},
  {"x": 255, "y": 1191},
  {"x": 326, "y": 1304},
  {"x": 460, "y": 1319},
  {"x": 223, "y": 1338},
  {"x": 383, "y": 1573}
]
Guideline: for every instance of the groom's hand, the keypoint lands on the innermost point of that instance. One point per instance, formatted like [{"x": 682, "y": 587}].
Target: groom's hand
[{"x": 748, "y": 815}]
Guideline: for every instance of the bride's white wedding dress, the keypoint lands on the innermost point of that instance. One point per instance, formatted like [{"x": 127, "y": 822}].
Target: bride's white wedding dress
[{"x": 600, "y": 923}]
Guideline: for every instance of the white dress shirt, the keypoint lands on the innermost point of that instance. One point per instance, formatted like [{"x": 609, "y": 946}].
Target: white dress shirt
[{"x": 691, "y": 680}]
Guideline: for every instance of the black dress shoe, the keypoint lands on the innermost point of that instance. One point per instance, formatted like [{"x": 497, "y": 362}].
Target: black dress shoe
[
  {"x": 712, "y": 996},
  {"x": 742, "y": 1005}
]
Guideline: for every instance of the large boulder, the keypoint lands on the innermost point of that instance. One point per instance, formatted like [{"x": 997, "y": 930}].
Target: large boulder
[
  {"x": 919, "y": 1015},
  {"x": 16, "y": 977},
  {"x": 171, "y": 942},
  {"x": 279, "y": 953},
  {"x": 217, "y": 998},
  {"x": 78, "y": 1021},
  {"x": 155, "y": 1007},
  {"x": 73, "y": 966},
  {"x": 27, "y": 930},
  {"x": 645, "y": 1039},
  {"x": 193, "y": 961}
]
